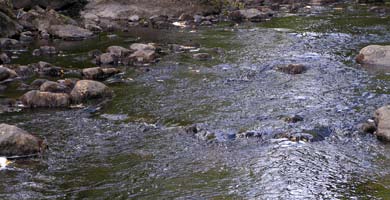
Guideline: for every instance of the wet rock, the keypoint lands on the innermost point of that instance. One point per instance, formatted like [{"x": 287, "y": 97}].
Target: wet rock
[
  {"x": 382, "y": 119},
  {"x": 45, "y": 50},
  {"x": 18, "y": 142},
  {"x": 374, "y": 55},
  {"x": 202, "y": 56},
  {"x": 293, "y": 69},
  {"x": 4, "y": 59},
  {"x": 54, "y": 87},
  {"x": 98, "y": 73},
  {"x": 34, "y": 99},
  {"x": 118, "y": 51},
  {"x": 6, "y": 73},
  {"x": 88, "y": 89},
  {"x": 69, "y": 32}
]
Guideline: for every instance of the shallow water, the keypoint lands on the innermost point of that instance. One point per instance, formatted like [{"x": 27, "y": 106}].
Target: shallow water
[{"x": 135, "y": 146}]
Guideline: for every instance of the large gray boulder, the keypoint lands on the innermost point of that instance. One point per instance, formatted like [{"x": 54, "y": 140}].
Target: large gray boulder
[
  {"x": 375, "y": 55},
  {"x": 69, "y": 32},
  {"x": 18, "y": 142},
  {"x": 382, "y": 119},
  {"x": 87, "y": 89},
  {"x": 36, "y": 99}
]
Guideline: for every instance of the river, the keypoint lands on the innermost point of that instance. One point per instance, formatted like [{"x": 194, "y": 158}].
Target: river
[{"x": 135, "y": 146}]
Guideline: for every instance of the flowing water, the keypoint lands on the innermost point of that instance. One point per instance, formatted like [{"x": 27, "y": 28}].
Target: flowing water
[{"x": 135, "y": 146}]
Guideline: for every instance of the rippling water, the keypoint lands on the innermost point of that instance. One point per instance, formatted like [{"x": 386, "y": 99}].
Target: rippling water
[{"x": 149, "y": 155}]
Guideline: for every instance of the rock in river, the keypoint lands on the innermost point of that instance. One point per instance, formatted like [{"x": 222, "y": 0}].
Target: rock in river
[
  {"x": 375, "y": 55},
  {"x": 70, "y": 32},
  {"x": 88, "y": 89},
  {"x": 293, "y": 69},
  {"x": 36, "y": 98},
  {"x": 18, "y": 142},
  {"x": 382, "y": 119}
]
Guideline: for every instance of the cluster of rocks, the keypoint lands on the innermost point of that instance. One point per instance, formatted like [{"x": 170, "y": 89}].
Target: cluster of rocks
[
  {"x": 377, "y": 56},
  {"x": 137, "y": 54},
  {"x": 65, "y": 92},
  {"x": 61, "y": 93}
]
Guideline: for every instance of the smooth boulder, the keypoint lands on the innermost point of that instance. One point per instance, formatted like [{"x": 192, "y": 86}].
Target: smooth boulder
[
  {"x": 18, "y": 142},
  {"x": 375, "y": 55},
  {"x": 89, "y": 89},
  {"x": 34, "y": 99},
  {"x": 382, "y": 120},
  {"x": 70, "y": 32}
]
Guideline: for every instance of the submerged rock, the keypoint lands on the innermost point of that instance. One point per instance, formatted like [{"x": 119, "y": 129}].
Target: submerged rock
[
  {"x": 99, "y": 73},
  {"x": 18, "y": 142},
  {"x": 374, "y": 55},
  {"x": 202, "y": 56},
  {"x": 45, "y": 50},
  {"x": 88, "y": 89},
  {"x": 34, "y": 99},
  {"x": 293, "y": 69},
  {"x": 382, "y": 119}
]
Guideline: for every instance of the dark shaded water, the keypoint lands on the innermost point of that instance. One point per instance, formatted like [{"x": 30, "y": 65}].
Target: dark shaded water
[{"x": 141, "y": 150}]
